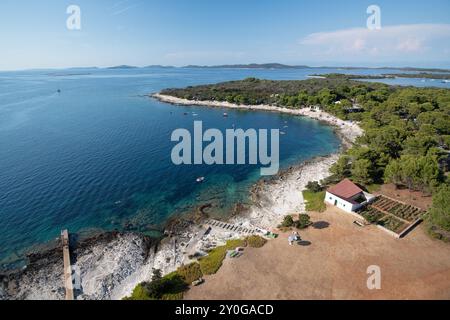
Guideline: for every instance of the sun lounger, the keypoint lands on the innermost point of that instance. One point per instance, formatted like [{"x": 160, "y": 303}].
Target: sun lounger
[
  {"x": 198, "y": 282},
  {"x": 358, "y": 223}
]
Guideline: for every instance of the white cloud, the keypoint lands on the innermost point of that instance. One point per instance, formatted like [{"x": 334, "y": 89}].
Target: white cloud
[{"x": 403, "y": 41}]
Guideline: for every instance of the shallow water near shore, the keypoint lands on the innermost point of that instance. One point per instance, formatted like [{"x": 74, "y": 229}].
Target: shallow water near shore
[{"x": 96, "y": 155}]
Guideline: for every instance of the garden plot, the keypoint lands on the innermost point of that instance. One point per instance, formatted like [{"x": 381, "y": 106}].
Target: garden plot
[{"x": 392, "y": 215}]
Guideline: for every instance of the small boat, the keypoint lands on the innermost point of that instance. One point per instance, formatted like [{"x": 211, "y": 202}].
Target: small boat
[
  {"x": 282, "y": 133},
  {"x": 186, "y": 113},
  {"x": 200, "y": 180},
  {"x": 225, "y": 114},
  {"x": 59, "y": 91}
]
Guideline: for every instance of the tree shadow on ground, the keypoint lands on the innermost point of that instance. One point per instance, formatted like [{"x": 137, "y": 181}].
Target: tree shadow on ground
[{"x": 320, "y": 225}]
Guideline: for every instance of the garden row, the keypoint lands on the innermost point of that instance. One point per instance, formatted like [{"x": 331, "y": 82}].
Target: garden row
[
  {"x": 403, "y": 211},
  {"x": 378, "y": 217}
]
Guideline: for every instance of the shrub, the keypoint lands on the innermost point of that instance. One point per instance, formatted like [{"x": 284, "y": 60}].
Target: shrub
[
  {"x": 287, "y": 222},
  {"x": 314, "y": 186},
  {"x": 157, "y": 274},
  {"x": 303, "y": 222},
  {"x": 171, "y": 285},
  {"x": 190, "y": 272},
  {"x": 256, "y": 241},
  {"x": 213, "y": 261}
]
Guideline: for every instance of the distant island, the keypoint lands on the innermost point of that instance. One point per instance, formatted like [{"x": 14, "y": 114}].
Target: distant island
[
  {"x": 421, "y": 75},
  {"x": 250, "y": 66},
  {"x": 159, "y": 66},
  {"x": 123, "y": 67},
  {"x": 285, "y": 66}
]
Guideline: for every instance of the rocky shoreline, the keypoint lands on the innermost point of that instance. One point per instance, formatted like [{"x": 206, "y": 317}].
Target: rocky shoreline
[{"x": 110, "y": 265}]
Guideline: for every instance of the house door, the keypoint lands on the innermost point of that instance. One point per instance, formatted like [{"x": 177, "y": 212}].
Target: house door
[{"x": 335, "y": 203}]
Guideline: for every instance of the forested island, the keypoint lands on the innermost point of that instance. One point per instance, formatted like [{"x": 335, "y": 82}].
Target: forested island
[
  {"x": 421, "y": 75},
  {"x": 407, "y": 129}
]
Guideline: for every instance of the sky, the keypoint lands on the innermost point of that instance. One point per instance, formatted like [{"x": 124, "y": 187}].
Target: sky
[{"x": 34, "y": 34}]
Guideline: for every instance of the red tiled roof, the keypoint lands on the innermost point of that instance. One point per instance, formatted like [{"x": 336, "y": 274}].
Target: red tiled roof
[{"x": 345, "y": 189}]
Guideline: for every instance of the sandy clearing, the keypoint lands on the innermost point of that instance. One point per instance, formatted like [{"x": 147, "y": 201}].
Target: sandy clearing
[{"x": 334, "y": 266}]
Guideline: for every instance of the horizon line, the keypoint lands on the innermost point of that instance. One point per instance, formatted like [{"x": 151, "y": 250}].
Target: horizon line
[{"x": 236, "y": 65}]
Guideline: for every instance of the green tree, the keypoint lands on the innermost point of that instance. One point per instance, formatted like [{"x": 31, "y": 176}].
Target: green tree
[
  {"x": 314, "y": 186},
  {"x": 304, "y": 221},
  {"x": 416, "y": 173},
  {"x": 287, "y": 222},
  {"x": 362, "y": 171},
  {"x": 439, "y": 213},
  {"x": 341, "y": 168},
  {"x": 419, "y": 144},
  {"x": 393, "y": 173}
]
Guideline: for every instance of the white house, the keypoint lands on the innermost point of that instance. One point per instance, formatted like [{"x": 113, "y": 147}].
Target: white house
[{"x": 347, "y": 196}]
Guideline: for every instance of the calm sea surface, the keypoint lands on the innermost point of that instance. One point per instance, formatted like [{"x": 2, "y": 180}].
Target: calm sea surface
[{"x": 96, "y": 156}]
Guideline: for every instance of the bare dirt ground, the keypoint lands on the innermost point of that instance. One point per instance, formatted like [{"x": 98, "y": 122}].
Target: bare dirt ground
[
  {"x": 331, "y": 263},
  {"x": 415, "y": 198}
]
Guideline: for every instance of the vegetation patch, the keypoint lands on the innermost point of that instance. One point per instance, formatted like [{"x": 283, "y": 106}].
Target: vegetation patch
[
  {"x": 439, "y": 214},
  {"x": 314, "y": 201},
  {"x": 168, "y": 287},
  {"x": 213, "y": 261},
  {"x": 374, "y": 187},
  {"x": 190, "y": 273},
  {"x": 256, "y": 241},
  {"x": 303, "y": 222},
  {"x": 288, "y": 222}
]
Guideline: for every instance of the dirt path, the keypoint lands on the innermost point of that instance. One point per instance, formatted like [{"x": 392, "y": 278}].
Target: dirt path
[{"x": 332, "y": 264}]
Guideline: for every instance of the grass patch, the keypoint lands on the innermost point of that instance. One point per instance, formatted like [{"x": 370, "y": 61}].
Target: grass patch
[
  {"x": 139, "y": 293},
  {"x": 373, "y": 188},
  {"x": 314, "y": 201},
  {"x": 173, "y": 296},
  {"x": 256, "y": 241},
  {"x": 190, "y": 272},
  {"x": 213, "y": 261}
]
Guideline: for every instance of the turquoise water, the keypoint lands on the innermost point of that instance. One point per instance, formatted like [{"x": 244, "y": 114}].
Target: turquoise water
[{"x": 96, "y": 156}]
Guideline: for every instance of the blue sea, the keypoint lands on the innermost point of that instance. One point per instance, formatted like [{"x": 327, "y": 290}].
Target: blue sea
[{"x": 96, "y": 155}]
